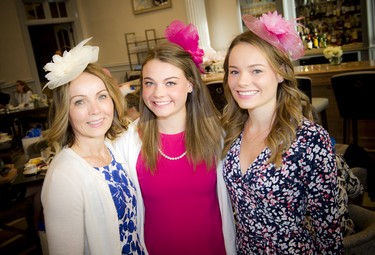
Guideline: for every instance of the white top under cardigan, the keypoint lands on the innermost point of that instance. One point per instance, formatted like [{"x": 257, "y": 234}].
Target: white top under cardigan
[
  {"x": 129, "y": 146},
  {"x": 74, "y": 192},
  {"x": 23, "y": 98}
]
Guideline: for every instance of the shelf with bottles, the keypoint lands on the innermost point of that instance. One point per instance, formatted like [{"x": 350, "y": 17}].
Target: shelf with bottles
[
  {"x": 336, "y": 22},
  {"x": 354, "y": 47}
]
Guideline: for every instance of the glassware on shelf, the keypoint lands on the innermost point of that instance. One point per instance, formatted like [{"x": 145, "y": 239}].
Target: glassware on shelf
[{"x": 335, "y": 60}]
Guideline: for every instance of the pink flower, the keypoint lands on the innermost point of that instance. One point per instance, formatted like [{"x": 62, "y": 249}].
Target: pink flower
[{"x": 277, "y": 31}]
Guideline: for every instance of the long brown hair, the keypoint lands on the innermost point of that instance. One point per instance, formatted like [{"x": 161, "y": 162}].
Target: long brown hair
[
  {"x": 291, "y": 103},
  {"x": 203, "y": 133},
  {"x": 25, "y": 87},
  {"x": 60, "y": 133}
]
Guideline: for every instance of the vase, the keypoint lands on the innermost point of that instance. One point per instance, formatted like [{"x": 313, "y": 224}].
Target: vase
[
  {"x": 36, "y": 103},
  {"x": 335, "y": 60}
]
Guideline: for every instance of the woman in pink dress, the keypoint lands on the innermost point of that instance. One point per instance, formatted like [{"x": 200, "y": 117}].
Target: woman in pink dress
[{"x": 174, "y": 154}]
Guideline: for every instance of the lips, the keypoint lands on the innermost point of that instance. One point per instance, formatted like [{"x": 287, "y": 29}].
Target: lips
[
  {"x": 161, "y": 103},
  {"x": 95, "y": 122},
  {"x": 248, "y": 93}
]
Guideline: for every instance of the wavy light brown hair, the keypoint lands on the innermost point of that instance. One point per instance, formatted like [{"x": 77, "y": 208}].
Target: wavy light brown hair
[
  {"x": 291, "y": 103},
  {"x": 60, "y": 133},
  {"x": 203, "y": 133}
]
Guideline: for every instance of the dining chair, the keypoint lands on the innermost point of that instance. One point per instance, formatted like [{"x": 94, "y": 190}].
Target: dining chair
[
  {"x": 354, "y": 93},
  {"x": 216, "y": 90},
  {"x": 319, "y": 104}
]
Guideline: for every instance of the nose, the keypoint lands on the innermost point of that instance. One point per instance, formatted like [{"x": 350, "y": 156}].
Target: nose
[
  {"x": 94, "y": 108},
  {"x": 244, "y": 79},
  {"x": 159, "y": 90}
]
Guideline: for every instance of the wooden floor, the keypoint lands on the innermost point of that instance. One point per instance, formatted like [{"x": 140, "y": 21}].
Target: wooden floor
[{"x": 15, "y": 244}]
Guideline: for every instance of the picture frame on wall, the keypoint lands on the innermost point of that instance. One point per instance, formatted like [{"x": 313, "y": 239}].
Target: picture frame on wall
[{"x": 142, "y": 6}]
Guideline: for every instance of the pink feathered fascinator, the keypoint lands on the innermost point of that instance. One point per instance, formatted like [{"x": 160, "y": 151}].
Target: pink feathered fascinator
[
  {"x": 187, "y": 37},
  {"x": 277, "y": 31}
]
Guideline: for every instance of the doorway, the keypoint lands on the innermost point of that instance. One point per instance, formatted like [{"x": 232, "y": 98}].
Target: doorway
[{"x": 46, "y": 40}]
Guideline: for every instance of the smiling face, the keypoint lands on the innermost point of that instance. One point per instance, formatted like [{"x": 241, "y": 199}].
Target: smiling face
[
  {"x": 165, "y": 90},
  {"x": 91, "y": 108},
  {"x": 251, "y": 79}
]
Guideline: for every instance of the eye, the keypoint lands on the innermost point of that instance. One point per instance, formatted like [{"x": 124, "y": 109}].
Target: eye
[
  {"x": 79, "y": 102},
  {"x": 148, "y": 83},
  {"x": 256, "y": 71},
  {"x": 103, "y": 96},
  {"x": 233, "y": 72},
  {"x": 170, "y": 83}
]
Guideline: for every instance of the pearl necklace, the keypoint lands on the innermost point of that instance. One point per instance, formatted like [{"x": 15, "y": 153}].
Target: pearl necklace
[{"x": 171, "y": 158}]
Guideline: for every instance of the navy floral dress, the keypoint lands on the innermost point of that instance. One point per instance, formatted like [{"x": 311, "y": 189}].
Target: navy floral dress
[
  {"x": 271, "y": 204},
  {"x": 124, "y": 196}
]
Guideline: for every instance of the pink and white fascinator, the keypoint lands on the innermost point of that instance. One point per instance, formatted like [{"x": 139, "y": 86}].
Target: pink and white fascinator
[
  {"x": 187, "y": 37},
  {"x": 66, "y": 68},
  {"x": 277, "y": 31}
]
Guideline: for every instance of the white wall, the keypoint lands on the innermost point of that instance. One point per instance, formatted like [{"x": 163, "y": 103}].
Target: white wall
[
  {"x": 224, "y": 22},
  {"x": 108, "y": 21}
]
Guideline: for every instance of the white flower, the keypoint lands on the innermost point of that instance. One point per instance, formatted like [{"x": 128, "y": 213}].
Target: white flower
[
  {"x": 68, "y": 67},
  {"x": 331, "y": 52},
  {"x": 34, "y": 97}
]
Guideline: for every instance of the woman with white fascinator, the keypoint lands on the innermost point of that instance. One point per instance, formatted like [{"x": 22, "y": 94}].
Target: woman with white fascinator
[{"x": 88, "y": 198}]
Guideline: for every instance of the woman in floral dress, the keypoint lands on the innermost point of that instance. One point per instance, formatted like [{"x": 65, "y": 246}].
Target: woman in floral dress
[{"x": 279, "y": 166}]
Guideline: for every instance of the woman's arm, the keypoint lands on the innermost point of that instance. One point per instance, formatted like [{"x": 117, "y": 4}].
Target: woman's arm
[
  {"x": 63, "y": 213},
  {"x": 323, "y": 194}
]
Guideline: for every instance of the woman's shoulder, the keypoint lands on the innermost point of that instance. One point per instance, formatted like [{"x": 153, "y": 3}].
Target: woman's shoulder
[
  {"x": 64, "y": 157},
  {"x": 312, "y": 128},
  {"x": 313, "y": 135}
]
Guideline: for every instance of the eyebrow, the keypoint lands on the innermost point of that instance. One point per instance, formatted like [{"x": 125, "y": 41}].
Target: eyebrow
[
  {"x": 99, "y": 92},
  {"x": 166, "y": 79}
]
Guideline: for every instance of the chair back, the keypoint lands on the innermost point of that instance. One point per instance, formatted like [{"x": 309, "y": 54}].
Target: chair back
[
  {"x": 354, "y": 93},
  {"x": 304, "y": 84},
  {"x": 216, "y": 90}
]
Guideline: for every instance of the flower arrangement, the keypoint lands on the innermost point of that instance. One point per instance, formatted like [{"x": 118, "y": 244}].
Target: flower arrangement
[
  {"x": 213, "y": 61},
  {"x": 333, "y": 54},
  {"x": 35, "y": 98}
]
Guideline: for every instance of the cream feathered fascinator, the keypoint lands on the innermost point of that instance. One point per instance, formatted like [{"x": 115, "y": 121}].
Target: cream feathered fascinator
[
  {"x": 66, "y": 68},
  {"x": 279, "y": 32}
]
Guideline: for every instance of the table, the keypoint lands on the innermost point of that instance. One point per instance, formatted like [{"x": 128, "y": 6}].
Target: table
[
  {"x": 22, "y": 179},
  {"x": 321, "y": 74},
  {"x": 27, "y": 114}
]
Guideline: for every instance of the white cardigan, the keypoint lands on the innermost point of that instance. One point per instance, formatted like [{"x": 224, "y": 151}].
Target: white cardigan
[
  {"x": 129, "y": 146},
  {"x": 79, "y": 212}
]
